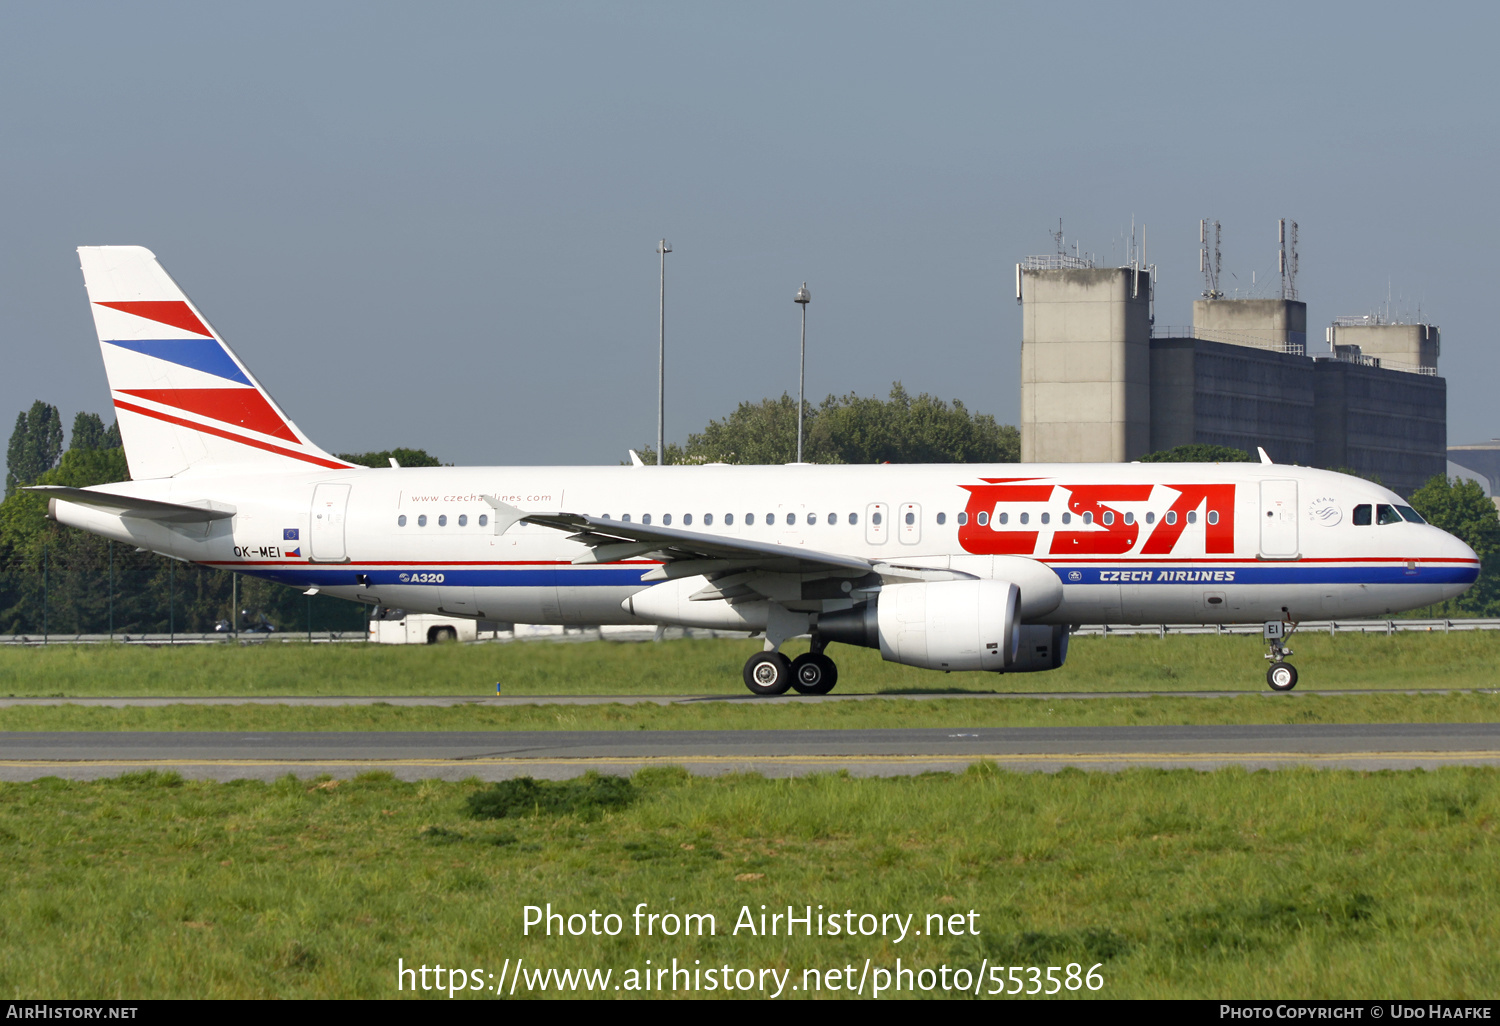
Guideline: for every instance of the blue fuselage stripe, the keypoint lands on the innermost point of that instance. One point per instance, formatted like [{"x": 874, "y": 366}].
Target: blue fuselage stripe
[{"x": 624, "y": 577}]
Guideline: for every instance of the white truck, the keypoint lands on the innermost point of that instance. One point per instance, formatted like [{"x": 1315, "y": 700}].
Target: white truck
[{"x": 391, "y": 626}]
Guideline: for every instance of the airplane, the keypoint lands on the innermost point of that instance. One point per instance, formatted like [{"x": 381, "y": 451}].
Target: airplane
[{"x": 947, "y": 567}]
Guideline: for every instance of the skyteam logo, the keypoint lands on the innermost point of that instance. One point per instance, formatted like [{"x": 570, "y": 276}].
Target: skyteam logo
[{"x": 1325, "y": 511}]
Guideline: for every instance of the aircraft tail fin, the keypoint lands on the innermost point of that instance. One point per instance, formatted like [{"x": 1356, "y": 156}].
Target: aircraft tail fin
[{"x": 185, "y": 402}]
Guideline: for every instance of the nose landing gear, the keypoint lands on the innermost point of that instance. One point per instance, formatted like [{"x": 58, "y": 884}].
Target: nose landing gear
[{"x": 1280, "y": 675}]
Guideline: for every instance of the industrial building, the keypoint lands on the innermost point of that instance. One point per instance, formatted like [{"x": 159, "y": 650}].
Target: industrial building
[{"x": 1101, "y": 382}]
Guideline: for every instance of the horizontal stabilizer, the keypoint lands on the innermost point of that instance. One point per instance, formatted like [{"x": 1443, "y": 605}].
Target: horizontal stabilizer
[{"x": 130, "y": 506}]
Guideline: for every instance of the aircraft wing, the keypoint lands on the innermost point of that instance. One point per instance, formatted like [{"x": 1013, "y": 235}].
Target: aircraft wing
[
  {"x": 130, "y": 506},
  {"x": 688, "y": 553}
]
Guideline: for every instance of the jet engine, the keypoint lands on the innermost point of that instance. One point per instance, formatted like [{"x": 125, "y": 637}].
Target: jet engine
[{"x": 949, "y": 625}]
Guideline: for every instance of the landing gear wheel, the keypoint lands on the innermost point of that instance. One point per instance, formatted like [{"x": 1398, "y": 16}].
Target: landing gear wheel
[
  {"x": 768, "y": 673},
  {"x": 1281, "y": 676},
  {"x": 814, "y": 674}
]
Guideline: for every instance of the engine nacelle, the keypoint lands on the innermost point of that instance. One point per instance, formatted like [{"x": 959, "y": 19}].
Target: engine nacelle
[{"x": 950, "y": 625}]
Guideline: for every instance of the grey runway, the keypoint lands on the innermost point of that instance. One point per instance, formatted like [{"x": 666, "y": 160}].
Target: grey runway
[
  {"x": 453, "y": 755},
  {"x": 500, "y": 701}
]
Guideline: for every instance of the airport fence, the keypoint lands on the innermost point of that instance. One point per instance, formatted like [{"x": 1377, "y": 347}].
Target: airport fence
[{"x": 164, "y": 598}]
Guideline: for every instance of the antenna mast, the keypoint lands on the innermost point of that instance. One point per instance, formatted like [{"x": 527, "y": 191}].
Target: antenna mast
[
  {"x": 1209, "y": 263},
  {"x": 1286, "y": 235}
]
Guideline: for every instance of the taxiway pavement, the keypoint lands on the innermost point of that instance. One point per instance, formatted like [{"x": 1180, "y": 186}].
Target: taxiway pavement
[{"x": 493, "y": 755}]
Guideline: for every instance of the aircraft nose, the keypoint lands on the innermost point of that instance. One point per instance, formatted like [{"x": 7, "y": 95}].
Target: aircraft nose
[{"x": 1455, "y": 549}]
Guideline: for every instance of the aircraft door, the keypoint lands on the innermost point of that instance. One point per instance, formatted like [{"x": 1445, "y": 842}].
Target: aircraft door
[
  {"x": 909, "y": 523},
  {"x": 1278, "y": 520},
  {"x": 877, "y": 528},
  {"x": 325, "y": 542}
]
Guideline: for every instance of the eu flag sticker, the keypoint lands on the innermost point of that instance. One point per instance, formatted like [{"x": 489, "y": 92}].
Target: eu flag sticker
[{"x": 289, "y": 534}]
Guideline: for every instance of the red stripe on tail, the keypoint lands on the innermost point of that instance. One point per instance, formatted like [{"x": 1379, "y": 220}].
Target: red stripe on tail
[
  {"x": 242, "y": 406},
  {"x": 209, "y": 430},
  {"x": 165, "y": 311}
]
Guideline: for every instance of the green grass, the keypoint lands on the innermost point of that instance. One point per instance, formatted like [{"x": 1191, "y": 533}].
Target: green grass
[
  {"x": 1252, "y": 885},
  {"x": 1459, "y": 660},
  {"x": 1468, "y": 707}
]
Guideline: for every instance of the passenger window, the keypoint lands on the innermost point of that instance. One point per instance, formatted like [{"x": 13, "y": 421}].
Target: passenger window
[
  {"x": 963, "y": 518},
  {"x": 984, "y": 519},
  {"x": 443, "y": 520},
  {"x": 1025, "y": 518},
  {"x": 708, "y": 520},
  {"x": 1193, "y": 517},
  {"x": 812, "y": 518},
  {"x": 1386, "y": 514},
  {"x": 1410, "y": 515},
  {"x": 854, "y": 519},
  {"x": 1129, "y": 518},
  {"x": 1213, "y": 516},
  {"x": 749, "y": 519},
  {"x": 770, "y": 519},
  {"x": 1109, "y": 518},
  {"x": 1004, "y": 518},
  {"x": 728, "y": 519},
  {"x": 1171, "y": 517},
  {"x": 1088, "y": 519},
  {"x": 875, "y": 519},
  {"x": 911, "y": 518},
  {"x": 687, "y": 520},
  {"x": 422, "y": 520},
  {"x": 625, "y": 518},
  {"x": 1150, "y": 518},
  {"x": 1067, "y": 518},
  {"x": 791, "y": 519},
  {"x": 833, "y": 518},
  {"x": 646, "y": 519},
  {"x": 463, "y": 520},
  {"x": 1362, "y": 515},
  {"x": 666, "y": 520},
  {"x": 942, "y": 518},
  {"x": 401, "y": 520}
]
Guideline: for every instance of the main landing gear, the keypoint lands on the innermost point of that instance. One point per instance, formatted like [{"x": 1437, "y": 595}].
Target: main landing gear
[
  {"x": 1281, "y": 675},
  {"x": 771, "y": 673}
]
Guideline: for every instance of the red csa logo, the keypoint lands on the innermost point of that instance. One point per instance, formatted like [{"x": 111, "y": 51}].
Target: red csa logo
[{"x": 1108, "y": 535}]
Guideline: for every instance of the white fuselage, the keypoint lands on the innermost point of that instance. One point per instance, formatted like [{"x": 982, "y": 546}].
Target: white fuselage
[{"x": 1130, "y": 543}]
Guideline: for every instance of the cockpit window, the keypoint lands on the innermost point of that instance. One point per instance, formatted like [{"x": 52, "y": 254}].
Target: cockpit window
[
  {"x": 1386, "y": 514},
  {"x": 1410, "y": 515},
  {"x": 1362, "y": 515}
]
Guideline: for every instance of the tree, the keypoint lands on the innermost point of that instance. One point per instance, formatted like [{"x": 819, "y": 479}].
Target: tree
[
  {"x": 1460, "y": 507},
  {"x": 1198, "y": 454},
  {"x": 35, "y": 446},
  {"x": 88, "y": 432},
  {"x": 405, "y": 457},
  {"x": 851, "y": 429}
]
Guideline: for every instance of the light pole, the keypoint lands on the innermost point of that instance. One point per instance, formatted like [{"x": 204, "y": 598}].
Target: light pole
[
  {"x": 663, "y": 248},
  {"x": 803, "y": 298}
]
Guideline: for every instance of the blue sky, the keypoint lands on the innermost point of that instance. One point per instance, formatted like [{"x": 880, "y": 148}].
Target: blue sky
[{"x": 434, "y": 225}]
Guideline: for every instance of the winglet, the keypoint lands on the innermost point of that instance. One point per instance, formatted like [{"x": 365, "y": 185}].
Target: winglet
[
  {"x": 1263, "y": 457},
  {"x": 635, "y": 459}
]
